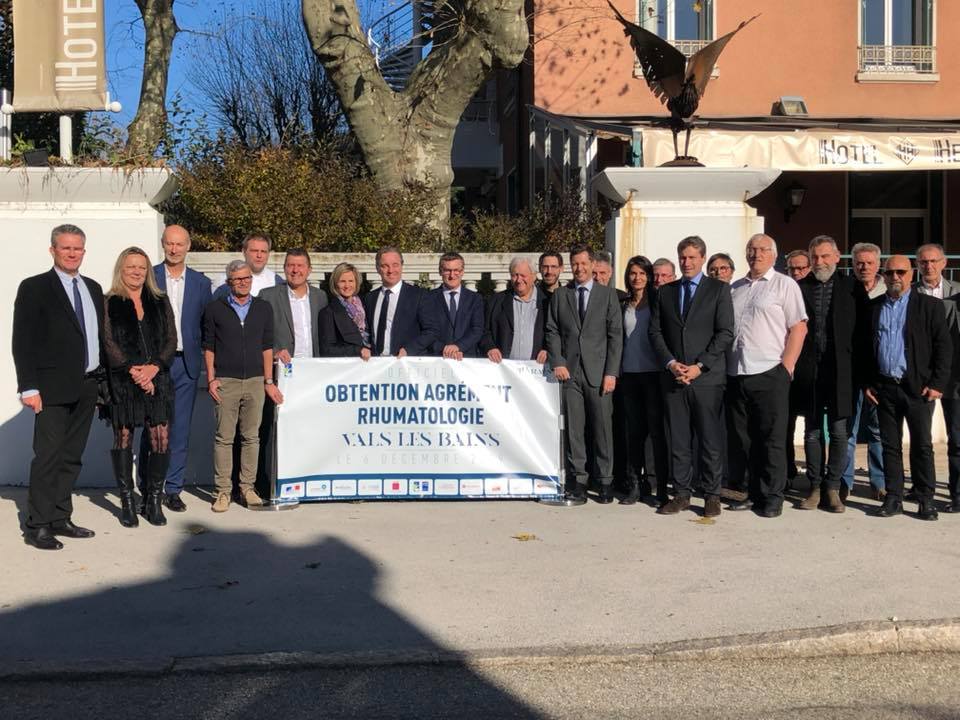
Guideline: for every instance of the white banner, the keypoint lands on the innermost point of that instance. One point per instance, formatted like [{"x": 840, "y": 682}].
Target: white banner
[
  {"x": 417, "y": 428},
  {"x": 810, "y": 149}
]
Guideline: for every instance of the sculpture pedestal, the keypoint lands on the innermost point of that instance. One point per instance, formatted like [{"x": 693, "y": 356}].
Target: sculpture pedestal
[{"x": 661, "y": 206}]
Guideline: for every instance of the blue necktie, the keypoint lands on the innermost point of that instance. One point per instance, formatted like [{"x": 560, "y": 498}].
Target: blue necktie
[
  {"x": 453, "y": 308},
  {"x": 78, "y": 309}
]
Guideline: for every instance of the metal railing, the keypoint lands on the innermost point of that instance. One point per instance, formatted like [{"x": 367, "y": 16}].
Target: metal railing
[{"x": 919, "y": 59}]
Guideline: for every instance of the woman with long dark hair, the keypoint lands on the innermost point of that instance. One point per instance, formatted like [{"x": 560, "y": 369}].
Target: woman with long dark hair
[
  {"x": 140, "y": 336},
  {"x": 640, "y": 382}
]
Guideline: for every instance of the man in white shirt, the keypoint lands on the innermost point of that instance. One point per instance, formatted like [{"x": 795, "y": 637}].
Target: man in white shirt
[
  {"x": 930, "y": 266},
  {"x": 770, "y": 323},
  {"x": 256, "y": 251}
]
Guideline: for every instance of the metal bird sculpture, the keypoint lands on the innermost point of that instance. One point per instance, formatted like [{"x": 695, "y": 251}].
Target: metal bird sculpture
[{"x": 675, "y": 80}]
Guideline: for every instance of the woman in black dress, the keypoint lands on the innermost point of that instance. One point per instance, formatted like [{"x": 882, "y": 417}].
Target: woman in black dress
[
  {"x": 343, "y": 324},
  {"x": 140, "y": 335}
]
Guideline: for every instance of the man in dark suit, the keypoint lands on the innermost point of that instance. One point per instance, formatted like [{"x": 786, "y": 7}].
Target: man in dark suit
[
  {"x": 296, "y": 306},
  {"x": 908, "y": 365},
  {"x": 516, "y": 318},
  {"x": 452, "y": 314},
  {"x": 189, "y": 292},
  {"x": 825, "y": 371},
  {"x": 931, "y": 263},
  {"x": 691, "y": 326},
  {"x": 584, "y": 338},
  {"x": 393, "y": 309},
  {"x": 57, "y": 333}
]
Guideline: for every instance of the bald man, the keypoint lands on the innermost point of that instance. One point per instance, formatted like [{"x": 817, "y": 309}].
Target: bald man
[
  {"x": 908, "y": 363},
  {"x": 189, "y": 292}
]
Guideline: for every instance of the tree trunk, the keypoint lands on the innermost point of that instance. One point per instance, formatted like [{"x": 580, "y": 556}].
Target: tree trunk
[
  {"x": 406, "y": 137},
  {"x": 148, "y": 128}
]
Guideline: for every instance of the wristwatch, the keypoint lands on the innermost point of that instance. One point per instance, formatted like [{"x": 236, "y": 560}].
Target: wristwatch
[{"x": 268, "y": 381}]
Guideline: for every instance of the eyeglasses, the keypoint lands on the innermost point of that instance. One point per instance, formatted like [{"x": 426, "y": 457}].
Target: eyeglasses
[
  {"x": 897, "y": 272},
  {"x": 797, "y": 268},
  {"x": 717, "y": 269},
  {"x": 245, "y": 278}
]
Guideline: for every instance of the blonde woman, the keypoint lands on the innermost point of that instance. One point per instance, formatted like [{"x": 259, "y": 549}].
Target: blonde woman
[
  {"x": 140, "y": 337},
  {"x": 343, "y": 323}
]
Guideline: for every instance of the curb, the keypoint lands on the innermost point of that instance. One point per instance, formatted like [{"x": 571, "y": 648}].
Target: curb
[{"x": 861, "y": 638}]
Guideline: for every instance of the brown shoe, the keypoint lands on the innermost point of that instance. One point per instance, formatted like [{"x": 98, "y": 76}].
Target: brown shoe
[
  {"x": 811, "y": 501},
  {"x": 674, "y": 506},
  {"x": 251, "y": 499},
  {"x": 711, "y": 508},
  {"x": 834, "y": 503},
  {"x": 222, "y": 503}
]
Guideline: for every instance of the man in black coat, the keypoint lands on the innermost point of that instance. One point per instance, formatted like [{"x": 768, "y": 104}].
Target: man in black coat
[
  {"x": 907, "y": 371},
  {"x": 515, "y": 318},
  {"x": 452, "y": 315},
  {"x": 393, "y": 309},
  {"x": 691, "y": 326},
  {"x": 824, "y": 376},
  {"x": 57, "y": 332}
]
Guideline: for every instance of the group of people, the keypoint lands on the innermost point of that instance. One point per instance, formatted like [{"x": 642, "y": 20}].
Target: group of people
[{"x": 707, "y": 372}]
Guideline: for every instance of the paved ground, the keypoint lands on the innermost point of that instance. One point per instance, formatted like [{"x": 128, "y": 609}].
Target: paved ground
[
  {"x": 377, "y": 577},
  {"x": 887, "y": 687}
]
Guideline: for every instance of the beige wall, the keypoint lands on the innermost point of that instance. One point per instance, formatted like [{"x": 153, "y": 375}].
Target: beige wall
[{"x": 583, "y": 64}]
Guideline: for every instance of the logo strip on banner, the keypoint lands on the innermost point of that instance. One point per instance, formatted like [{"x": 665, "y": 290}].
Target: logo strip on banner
[{"x": 417, "y": 428}]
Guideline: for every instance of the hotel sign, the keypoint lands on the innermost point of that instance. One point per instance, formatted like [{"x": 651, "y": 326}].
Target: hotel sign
[
  {"x": 58, "y": 55},
  {"x": 810, "y": 150}
]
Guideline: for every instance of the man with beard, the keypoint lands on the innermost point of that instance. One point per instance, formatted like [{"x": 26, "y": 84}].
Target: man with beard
[
  {"x": 824, "y": 374},
  {"x": 908, "y": 369},
  {"x": 551, "y": 267}
]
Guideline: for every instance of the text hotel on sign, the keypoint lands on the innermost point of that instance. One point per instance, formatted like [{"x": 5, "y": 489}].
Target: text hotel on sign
[{"x": 77, "y": 66}]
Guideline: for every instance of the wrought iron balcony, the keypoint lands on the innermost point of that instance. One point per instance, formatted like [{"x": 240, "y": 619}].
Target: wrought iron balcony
[{"x": 918, "y": 59}]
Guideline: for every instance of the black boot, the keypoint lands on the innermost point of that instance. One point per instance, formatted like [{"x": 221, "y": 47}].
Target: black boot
[
  {"x": 123, "y": 473},
  {"x": 632, "y": 494},
  {"x": 155, "y": 476}
]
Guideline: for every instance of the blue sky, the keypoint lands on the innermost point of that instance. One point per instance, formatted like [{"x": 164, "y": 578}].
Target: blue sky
[{"x": 125, "y": 44}]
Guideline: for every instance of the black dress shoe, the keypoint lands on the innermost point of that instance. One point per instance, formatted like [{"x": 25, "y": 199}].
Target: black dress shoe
[
  {"x": 42, "y": 539},
  {"x": 65, "y": 528},
  {"x": 740, "y": 504},
  {"x": 605, "y": 496},
  {"x": 772, "y": 512},
  {"x": 927, "y": 510},
  {"x": 953, "y": 506},
  {"x": 890, "y": 507},
  {"x": 173, "y": 502},
  {"x": 577, "y": 495}
]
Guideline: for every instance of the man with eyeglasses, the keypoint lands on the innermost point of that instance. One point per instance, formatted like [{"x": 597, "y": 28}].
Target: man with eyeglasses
[
  {"x": 451, "y": 315},
  {"x": 721, "y": 267},
  {"x": 798, "y": 264},
  {"x": 664, "y": 272},
  {"x": 825, "y": 372},
  {"x": 931, "y": 262},
  {"x": 908, "y": 367},
  {"x": 238, "y": 353}
]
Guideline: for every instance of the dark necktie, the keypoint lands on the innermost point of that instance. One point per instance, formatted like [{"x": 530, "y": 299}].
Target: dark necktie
[
  {"x": 453, "y": 308},
  {"x": 382, "y": 322},
  {"x": 582, "y": 303},
  {"x": 687, "y": 297},
  {"x": 78, "y": 309}
]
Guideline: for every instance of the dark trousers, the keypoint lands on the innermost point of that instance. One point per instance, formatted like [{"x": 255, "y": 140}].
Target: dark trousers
[
  {"x": 757, "y": 410},
  {"x": 813, "y": 440},
  {"x": 895, "y": 406},
  {"x": 951, "y": 417},
  {"x": 694, "y": 409},
  {"x": 643, "y": 408},
  {"x": 265, "y": 474},
  {"x": 184, "y": 398},
  {"x": 589, "y": 420},
  {"x": 59, "y": 437}
]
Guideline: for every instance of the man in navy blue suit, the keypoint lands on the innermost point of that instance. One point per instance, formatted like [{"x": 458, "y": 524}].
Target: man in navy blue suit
[
  {"x": 393, "y": 310},
  {"x": 189, "y": 292},
  {"x": 451, "y": 314}
]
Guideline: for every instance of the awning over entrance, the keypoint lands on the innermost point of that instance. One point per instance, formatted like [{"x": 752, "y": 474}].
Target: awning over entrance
[{"x": 808, "y": 150}]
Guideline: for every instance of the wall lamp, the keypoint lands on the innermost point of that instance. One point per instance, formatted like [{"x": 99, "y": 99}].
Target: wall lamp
[{"x": 793, "y": 199}]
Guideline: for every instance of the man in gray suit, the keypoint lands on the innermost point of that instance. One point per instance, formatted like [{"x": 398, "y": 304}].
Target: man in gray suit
[
  {"x": 296, "y": 305},
  {"x": 930, "y": 265},
  {"x": 584, "y": 339}
]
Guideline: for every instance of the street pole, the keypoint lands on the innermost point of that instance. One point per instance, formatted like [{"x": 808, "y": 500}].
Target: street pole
[
  {"x": 66, "y": 139},
  {"x": 6, "y": 128}
]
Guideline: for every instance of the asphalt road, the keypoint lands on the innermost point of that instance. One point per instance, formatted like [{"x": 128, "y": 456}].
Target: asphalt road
[{"x": 878, "y": 687}]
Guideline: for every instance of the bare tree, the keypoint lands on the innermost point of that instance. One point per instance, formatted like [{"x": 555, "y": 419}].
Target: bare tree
[
  {"x": 148, "y": 128},
  {"x": 406, "y": 137},
  {"x": 275, "y": 94}
]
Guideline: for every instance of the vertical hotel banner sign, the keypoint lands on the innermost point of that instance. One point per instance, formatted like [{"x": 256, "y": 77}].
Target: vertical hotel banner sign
[
  {"x": 58, "y": 55},
  {"x": 417, "y": 428}
]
